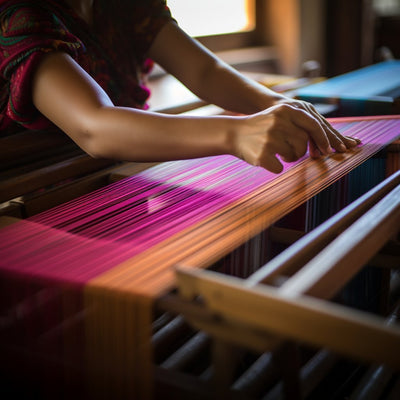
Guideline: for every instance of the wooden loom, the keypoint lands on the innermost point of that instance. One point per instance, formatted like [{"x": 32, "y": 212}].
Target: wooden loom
[
  {"x": 283, "y": 302},
  {"x": 113, "y": 304}
]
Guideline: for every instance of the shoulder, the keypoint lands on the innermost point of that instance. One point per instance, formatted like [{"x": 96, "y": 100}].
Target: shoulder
[
  {"x": 28, "y": 28},
  {"x": 21, "y": 16}
]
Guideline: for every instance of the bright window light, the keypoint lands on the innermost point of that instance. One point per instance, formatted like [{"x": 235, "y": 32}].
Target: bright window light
[{"x": 213, "y": 17}]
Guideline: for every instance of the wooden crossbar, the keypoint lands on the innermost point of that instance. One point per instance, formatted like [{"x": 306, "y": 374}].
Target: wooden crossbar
[{"x": 298, "y": 310}]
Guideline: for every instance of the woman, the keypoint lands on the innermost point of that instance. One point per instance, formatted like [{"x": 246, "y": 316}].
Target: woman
[{"x": 78, "y": 64}]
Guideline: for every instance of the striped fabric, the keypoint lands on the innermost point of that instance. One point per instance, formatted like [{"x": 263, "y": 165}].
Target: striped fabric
[{"x": 112, "y": 51}]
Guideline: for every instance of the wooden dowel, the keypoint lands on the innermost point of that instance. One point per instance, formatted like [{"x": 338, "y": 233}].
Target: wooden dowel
[
  {"x": 260, "y": 375},
  {"x": 76, "y": 166},
  {"x": 294, "y": 257},
  {"x": 331, "y": 269},
  {"x": 187, "y": 353},
  {"x": 315, "y": 370},
  {"x": 373, "y": 383},
  {"x": 169, "y": 335},
  {"x": 302, "y": 318}
]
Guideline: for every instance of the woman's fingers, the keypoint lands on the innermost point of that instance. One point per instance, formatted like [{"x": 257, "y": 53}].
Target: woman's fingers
[
  {"x": 291, "y": 148},
  {"x": 339, "y": 142},
  {"x": 336, "y": 140},
  {"x": 271, "y": 162},
  {"x": 303, "y": 120},
  {"x": 284, "y": 132},
  {"x": 313, "y": 150},
  {"x": 351, "y": 141},
  {"x": 278, "y": 136}
]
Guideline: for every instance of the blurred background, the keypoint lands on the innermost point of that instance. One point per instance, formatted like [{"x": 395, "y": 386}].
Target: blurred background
[{"x": 283, "y": 36}]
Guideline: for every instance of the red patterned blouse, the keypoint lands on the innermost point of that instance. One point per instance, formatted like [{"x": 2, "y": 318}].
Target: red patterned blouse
[{"x": 112, "y": 50}]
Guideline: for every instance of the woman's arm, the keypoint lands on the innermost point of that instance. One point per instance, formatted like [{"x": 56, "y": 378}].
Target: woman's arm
[
  {"x": 206, "y": 75},
  {"x": 72, "y": 100},
  {"x": 218, "y": 83}
]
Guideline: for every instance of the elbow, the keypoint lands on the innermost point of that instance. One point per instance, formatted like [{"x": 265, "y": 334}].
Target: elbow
[
  {"x": 97, "y": 152},
  {"x": 89, "y": 143},
  {"x": 92, "y": 145},
  {"x": 88, "y": 135}
]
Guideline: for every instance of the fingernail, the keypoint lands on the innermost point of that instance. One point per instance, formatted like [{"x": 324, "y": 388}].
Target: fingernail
[
  {"x": 342, "y": 147},
  {"x": 329, "y": 150}
]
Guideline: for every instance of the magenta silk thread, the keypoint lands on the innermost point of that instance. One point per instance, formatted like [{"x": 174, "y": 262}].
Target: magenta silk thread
[{"x": 83, "y": 238}]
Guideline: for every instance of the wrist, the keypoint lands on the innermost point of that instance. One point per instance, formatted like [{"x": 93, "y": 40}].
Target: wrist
[
  {"x": 272, "y": 100},
  {"x": 233, "y": 132}
]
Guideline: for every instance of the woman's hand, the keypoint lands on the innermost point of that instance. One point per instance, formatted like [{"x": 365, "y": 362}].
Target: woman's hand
[
  {"x": 286, "y": 129},
  {"x": 336, "y": 140}
]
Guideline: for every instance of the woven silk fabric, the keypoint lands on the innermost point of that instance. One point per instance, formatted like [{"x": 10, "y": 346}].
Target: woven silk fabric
[
  {"x": 109, "y": 255},
  {"x": 112, "y": 50},
  {"x": 93, "y": 234}
]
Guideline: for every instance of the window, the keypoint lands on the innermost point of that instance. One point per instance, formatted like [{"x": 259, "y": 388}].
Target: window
[
  {"x": 236, "y": 30},
  {"x": 387, "y": 7},
  {"x": 219, "y": 24},
  {"x": 213, "y": 17}
]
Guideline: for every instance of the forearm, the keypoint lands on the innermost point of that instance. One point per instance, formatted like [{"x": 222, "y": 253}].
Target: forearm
[
  {"x": 134, "y": 135},
  {"x": 224, "y": 86},
  {"x": 70, "y": 98},
  {"x": 207, "y": 76}
]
